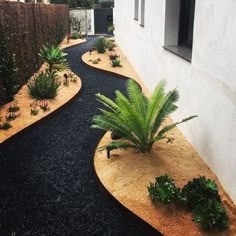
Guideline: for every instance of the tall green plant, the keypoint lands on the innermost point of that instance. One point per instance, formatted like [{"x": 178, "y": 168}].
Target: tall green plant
[
  {"x": 8, "y": 70},
  {"x": 136, "y": 118},
  {"x": 44, "y": 86},
  {"x": 53, "y": 56},
  {"x": 100, "y": 44}
]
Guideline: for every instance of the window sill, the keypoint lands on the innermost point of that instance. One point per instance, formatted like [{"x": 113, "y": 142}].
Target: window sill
[{"x": 181, "y": 51}]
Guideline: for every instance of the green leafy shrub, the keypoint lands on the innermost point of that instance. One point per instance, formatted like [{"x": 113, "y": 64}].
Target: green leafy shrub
[
  {"x": 210, "y": 215},
  {"x": 110, "y": 29},
  {"x": 100, "y": 44},
  {"x": 53, "y": 56},
  {"x": 44, "y": 106},
  {"x": 200, "y": 195},
  {"x": 8, "y": 70},
  {"x": 163, "y": 190},
  {"x": 113, "y": 56},
  {"x": 136, "y": 118},
  {"x": 34, "y": 111},
  {"x": 116, "y": 62},
  {"x": 12, "y": 116},
  {"x": 110, "y": 45},
  {"x": 13, "y": 107},
  {"x": 75, "y": 35},
  {"x": 44, "y": 86},
  {"x": 5, "y": 126},
  {"x": 60, "y": 32},
  {"x": 199, "y": 191}
]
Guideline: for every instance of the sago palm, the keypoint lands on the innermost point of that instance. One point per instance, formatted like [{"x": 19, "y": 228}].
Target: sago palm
[
  {"x": 136, "y": 118},
  {"x": 54, "y": 56}
]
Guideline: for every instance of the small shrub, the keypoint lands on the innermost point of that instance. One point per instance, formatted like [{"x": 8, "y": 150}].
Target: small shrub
[
  {"x": 34, "y": 111},
  {"x": 44, "y": 106},
  {"x": 95, "y": 61},
  {"x": 13, "y": 107},
  {"x": 72, "y": 77},
  {"x": 110, "y": 29},
  {"x": 198, "y": 191},
  {"x": 113, "y": 56},
  {"x": 100, "y": 44},
  {"x": 76, "y": 35},
  {"x": 110, "y": 45},
  {"x": 116, "y": 62},
  {"x": 211, "y": 215},
  {"x": 12, "y": 116},
  {"x": 5, "y": 126},
  {"x": 163, "y": 190},
  {"x": 44, "y": 86}
]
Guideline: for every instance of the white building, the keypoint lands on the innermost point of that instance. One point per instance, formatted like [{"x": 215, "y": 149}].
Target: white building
[{"x": 191, "y": 44}]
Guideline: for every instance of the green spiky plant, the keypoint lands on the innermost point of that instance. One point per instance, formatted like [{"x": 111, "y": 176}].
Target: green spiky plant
[
  {"x": 53, "y": 56},
  {"x": 100, "y": 44},
  {"x": 136, "y": 118},
  {"x": 44, "y": 86}
]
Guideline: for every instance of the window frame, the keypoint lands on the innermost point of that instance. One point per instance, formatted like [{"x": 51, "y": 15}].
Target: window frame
[
  {"x": 142, "y": 14},
  {"x": 136, "y": 9}
]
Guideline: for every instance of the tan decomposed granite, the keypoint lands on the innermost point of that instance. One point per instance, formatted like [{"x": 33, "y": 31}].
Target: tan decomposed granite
[
  {"x": 72, "y": 42},
  {"x": 127, "y": 173},
  {"x": 25, "y": 102}
]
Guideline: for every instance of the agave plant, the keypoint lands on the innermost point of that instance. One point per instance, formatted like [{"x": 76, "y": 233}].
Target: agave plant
[
  {"x": 136, "y": 118},
  {"x": 44, "y": 86},
  {"x": 53, "y": 56}
]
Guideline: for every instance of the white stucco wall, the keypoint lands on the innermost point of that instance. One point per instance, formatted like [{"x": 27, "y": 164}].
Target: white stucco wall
[
  {"x": 207, "y": 85},
  {"x": 86, "y": 16}
]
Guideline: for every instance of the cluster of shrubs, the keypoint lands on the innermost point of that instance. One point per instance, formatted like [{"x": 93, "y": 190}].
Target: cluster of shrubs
[
  {"x": 13, "y": 113},
  {"x": 35, "y": 106},
  {"x": 200, "y": 196},
  {"x": 46, "y": 84},
  {"x": 102, "y": 44}
]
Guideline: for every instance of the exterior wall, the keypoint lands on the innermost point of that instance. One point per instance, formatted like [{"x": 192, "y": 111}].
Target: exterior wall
[
  {"x": 86, "y": 16},
  {"x": 207, "y": 85}
]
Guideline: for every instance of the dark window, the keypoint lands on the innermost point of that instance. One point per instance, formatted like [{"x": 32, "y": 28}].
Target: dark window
[{"x": 186, "y": 23}]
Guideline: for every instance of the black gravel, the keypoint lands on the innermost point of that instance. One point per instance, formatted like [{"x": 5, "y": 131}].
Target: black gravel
[{"x": 47, "y": 181}]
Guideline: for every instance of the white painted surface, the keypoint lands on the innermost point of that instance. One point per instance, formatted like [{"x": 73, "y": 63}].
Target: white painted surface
[
  {"x": 86, "y": 16},
  {"x": 207, "y": 85}
]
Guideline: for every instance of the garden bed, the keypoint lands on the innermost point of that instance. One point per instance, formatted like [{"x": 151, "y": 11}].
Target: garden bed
[
  {"x": 127, "y": 173},
  {"x": 25, "y": 102}
]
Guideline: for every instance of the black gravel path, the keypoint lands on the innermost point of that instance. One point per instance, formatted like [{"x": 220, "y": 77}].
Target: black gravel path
[{"x": 47, "y": 181}]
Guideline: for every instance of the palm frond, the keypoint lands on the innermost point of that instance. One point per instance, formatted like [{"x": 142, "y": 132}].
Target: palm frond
[
  {"x": 154, "y": 105},
  {"x": 111, "y": 124},
  {"x": 170, "y": 127},
  {"x": 166, "y": 108},
  {"x": 133, "y": 119},
  {"x": 137, "y": 98},
  {"x": 107, "y": 102}
]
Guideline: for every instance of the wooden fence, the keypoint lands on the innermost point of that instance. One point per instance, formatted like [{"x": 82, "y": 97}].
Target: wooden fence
[{"x": 25, "y": 28}]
